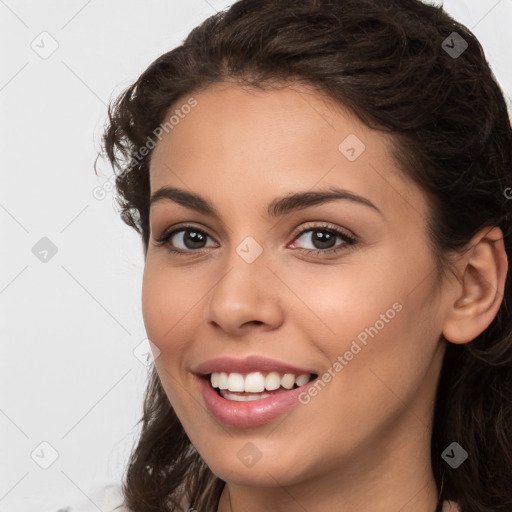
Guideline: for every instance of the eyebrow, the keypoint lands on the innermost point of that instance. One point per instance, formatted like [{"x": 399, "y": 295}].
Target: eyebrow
[{"x": 276, "y": 208}]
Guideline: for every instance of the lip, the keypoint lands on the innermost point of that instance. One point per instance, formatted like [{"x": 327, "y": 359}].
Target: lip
[
  {"x": 247, "y": 365},
  {"x": 252, "y": 413}
]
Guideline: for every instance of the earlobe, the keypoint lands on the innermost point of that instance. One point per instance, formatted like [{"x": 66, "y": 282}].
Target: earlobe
[{"x": 479, "y": 293}]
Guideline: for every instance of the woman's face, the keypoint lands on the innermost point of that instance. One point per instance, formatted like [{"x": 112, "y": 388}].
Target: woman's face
[{"x": 364, "y": 316}]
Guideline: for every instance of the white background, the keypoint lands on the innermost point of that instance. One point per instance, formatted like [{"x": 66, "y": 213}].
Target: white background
[{"x": 69, "y": 326}]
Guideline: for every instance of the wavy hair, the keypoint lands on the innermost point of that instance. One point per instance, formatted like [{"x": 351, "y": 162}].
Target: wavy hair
[{"x": 389, "y": 62}]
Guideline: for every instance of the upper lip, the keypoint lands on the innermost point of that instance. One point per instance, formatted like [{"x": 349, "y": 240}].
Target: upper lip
[{"x": 247, "y": 365}]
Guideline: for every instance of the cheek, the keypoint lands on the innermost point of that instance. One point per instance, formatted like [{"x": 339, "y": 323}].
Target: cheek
[
  {"x": 155, "y": 306},
  {"x": 378, "y": 312},
  {"x": 163, "y": 304},
  {"x": 339, "y": 304},
  {"x": 172, "y": 310},
  {"x": 162, "y": 310}
]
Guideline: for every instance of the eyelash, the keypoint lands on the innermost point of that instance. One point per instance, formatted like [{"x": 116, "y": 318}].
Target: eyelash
[{"x": 164, "y": 239}]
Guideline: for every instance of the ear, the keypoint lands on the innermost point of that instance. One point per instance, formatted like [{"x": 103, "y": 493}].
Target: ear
[{"x": 479, "y": 292}]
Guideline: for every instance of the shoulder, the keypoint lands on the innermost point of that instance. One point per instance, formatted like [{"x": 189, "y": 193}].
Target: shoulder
[
  {"x": 107, "y": 498},
  {"x": 450, "y": 506}
]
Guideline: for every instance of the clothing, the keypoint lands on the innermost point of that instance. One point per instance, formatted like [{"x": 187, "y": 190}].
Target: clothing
[
  {"x": 107, "y": 498},
  {"x": 450, "y": 506}
]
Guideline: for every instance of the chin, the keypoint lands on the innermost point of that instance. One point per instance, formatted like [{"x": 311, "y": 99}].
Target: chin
[{"x": 263, "y": 473}]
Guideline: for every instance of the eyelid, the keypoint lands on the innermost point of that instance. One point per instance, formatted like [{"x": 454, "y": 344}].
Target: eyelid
[
  {"x": 185, "y": 226},
  {"x": 322, "y": 225}
]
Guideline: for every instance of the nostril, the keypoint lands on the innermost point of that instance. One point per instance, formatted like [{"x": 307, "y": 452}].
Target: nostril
[{"x": 255, "y": 322}]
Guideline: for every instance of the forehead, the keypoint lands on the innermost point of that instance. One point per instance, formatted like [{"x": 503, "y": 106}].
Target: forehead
[{"x": 250, "y": 145}]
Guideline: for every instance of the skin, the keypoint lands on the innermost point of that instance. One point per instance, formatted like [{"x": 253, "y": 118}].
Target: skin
[{"x": 363, "y": 443}]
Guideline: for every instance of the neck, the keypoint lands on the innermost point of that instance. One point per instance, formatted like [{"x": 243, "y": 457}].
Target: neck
[
  {"x": 238, "y": 499},
  {"x": 402, "y": 480}
]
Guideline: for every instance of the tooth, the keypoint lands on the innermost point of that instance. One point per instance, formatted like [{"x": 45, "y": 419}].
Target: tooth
[
  {"x": 223, "y": 380},
  {"x": 236, "y": 382},
  {"x": 302, "y": 379},
  {"x": 253, "y": 397},
  {"x": 272, "y": 381},
  {"x": 242, "y": 398},
  {"x": 254, "y": 382},
  {"x": 288, "y": 380}
]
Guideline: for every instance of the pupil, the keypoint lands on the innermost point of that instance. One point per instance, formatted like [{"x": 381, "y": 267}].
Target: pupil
[
  {"x": 323, "y": 237},
  {"x": 194, "y": 244}
]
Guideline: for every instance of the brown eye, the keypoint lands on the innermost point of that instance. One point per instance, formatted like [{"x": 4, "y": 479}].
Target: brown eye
[
  {"x": 189, "y": 237},
  {"x": 323, "y": 238}
]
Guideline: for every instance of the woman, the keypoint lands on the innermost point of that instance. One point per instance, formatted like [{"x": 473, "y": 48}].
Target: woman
[{"x": 320, "y": 189}]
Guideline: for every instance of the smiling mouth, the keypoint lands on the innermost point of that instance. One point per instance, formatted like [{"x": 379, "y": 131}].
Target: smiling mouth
[{"x": 286, "y": 385}]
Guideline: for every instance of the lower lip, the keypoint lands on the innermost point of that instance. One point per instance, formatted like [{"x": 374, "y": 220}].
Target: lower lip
[{"x": 254, "y": 412}]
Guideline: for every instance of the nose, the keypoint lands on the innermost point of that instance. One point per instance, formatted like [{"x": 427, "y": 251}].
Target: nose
[{"x": 246, "y": 296}]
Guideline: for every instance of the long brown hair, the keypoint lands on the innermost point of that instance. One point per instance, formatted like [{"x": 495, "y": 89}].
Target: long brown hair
[{"x": 390, "y": 63}]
